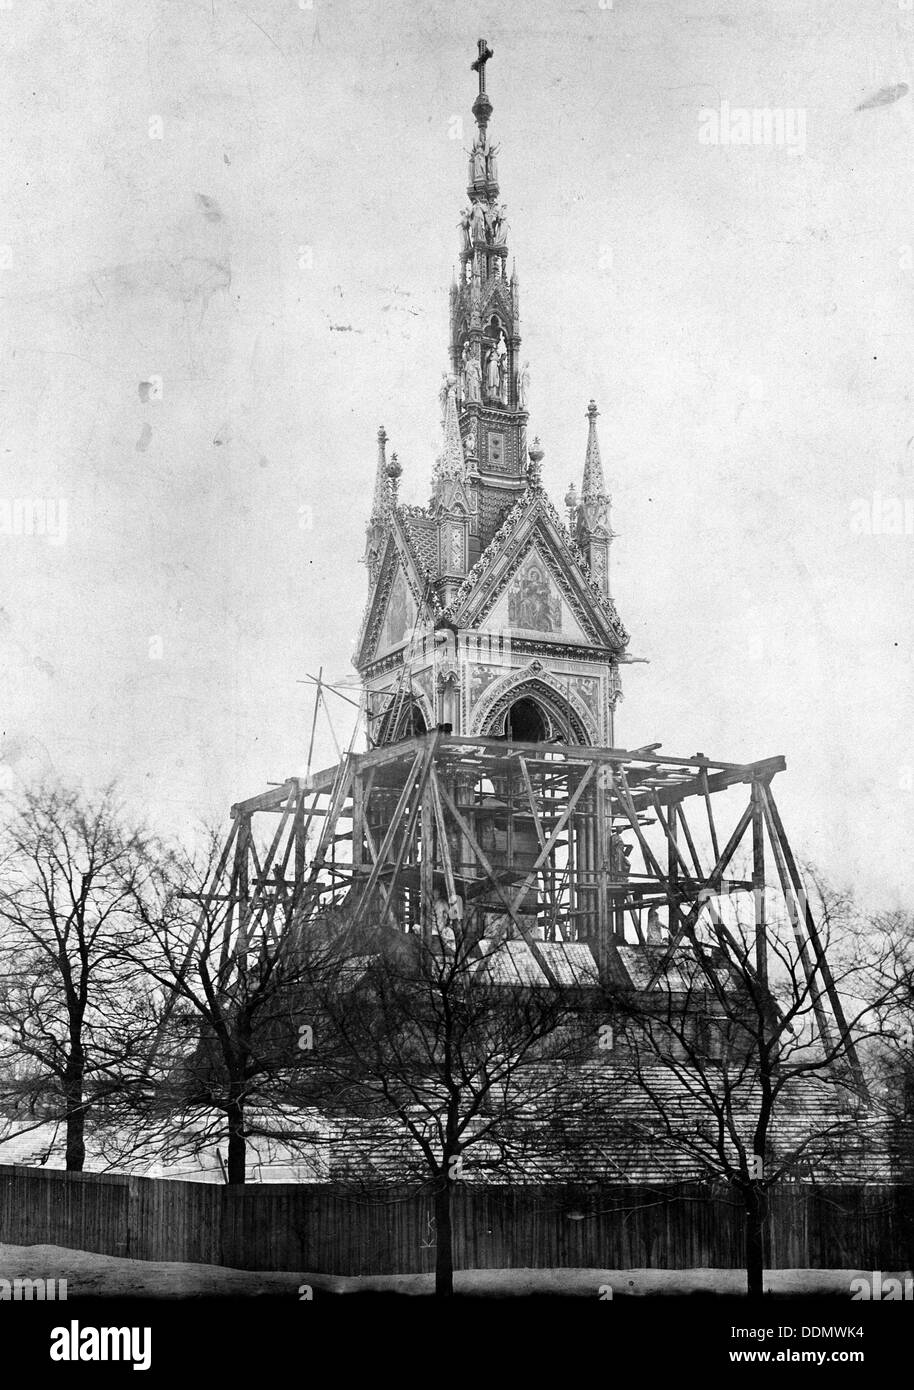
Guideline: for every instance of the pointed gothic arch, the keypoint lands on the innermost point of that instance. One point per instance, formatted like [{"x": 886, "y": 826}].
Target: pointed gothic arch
[
  {"x": 564, "y": 716},
  {"x": 527, "y": 721},
  {"x": 407, "y": 715},
  {"x": 496, "y": 306}
]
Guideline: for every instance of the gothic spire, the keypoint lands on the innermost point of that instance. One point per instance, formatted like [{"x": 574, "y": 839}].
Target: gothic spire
[
  {"x": 594, "y": 533},
  {"x": 594, "y": 483},
  {"x": 485, "y": 342},
  {"x": 381, "y": 484},
  {"x": 484, "y": 223},
  {"x": 451, "y": 463},
  {"x": 488, "y": 553},
  {"x": 380, "y": 506}
]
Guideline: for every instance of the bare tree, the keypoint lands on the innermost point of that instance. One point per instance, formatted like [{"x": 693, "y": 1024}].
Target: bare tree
[
  {"x": 443, "y": 1060},
  {"x": 746, "y": 1067},
  {"x": 891, "y": 1055},
  {"x": 228, "y": 1053},
  {"x": 74, "y": 1013}
]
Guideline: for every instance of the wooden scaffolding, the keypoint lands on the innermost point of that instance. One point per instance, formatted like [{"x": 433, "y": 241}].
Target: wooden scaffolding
[{"x": 540, "y": 841}]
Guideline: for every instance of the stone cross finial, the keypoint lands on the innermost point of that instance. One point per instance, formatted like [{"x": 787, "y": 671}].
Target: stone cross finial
[
  {"x": 535, "y": 454},
  {"x": 485, "y": 53},
  {"x": 571, "y": 503},
  {"x": 394, "y": 471}
]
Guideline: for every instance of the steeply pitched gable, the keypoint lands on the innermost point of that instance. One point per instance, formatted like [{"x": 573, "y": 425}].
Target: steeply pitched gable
[{"x": 531, "y": 577}]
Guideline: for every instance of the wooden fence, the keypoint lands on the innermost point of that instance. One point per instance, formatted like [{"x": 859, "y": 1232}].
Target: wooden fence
[{"x": 303, "y": 1226}]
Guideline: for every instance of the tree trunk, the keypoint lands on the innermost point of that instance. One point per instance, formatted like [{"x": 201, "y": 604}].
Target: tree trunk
[
  {"x": 237, "y": 1144},
  {"x": 76, "y": 1116},
  {"x": 444, "y": 1238},
  {"x": 755, "y": 1240}
]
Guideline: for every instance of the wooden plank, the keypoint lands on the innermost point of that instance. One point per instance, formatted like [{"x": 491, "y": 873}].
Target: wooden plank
[
  {"x": 706, "y": 793},
  {"x": 274, "y": 799},
  {"x": 537, "y": 823},
  {"x": 793, "y": 912},
  {"x": 688, "y": 922},
  {"x": 679, "y": 809},
  {"x": 284, "y": 1226},
  {"x": 758, "y": 885},
  {"x": 573, "y": 752},
  {"x": 487, "y": 869},
  {"x": 427, "y": 864},
  {"x": 422, "y": 760},
  {"x": 813, "y": 935},
  {"x": 556, "y": 832}
]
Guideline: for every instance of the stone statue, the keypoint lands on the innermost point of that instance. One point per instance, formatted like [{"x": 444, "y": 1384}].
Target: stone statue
[
  {"x": 464, "y": 225},
  {"x": 492, "y": 373},
  {"x": 443, "y": 392},
  {"x": 462, "y": 372},
  {"x": 492, "y": 222},
  {"x": 442, "y": 925},
  {"x": 523, "y": 386},
  {"x": 491, "y": 163},
  {"x": 501, "y": 357},
  {"x": 473, "y": 378},
  {"x": 497, "y": 224},
  {"x": 478, "y": 161},
  {"x": 619, "y": 853},
  {"x": 478, "y": 222}
]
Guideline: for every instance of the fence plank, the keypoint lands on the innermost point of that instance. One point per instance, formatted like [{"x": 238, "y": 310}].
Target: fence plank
[{"x": 289, "y": 1226}]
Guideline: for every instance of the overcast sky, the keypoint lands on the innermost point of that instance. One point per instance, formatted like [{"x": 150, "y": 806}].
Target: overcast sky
[{"x": 229, "y": 232}]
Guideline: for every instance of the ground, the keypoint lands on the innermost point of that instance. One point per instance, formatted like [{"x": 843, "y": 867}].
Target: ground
[{"x": 103, "y": 1276}]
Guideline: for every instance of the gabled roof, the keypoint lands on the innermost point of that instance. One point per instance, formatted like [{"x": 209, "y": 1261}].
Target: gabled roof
[
  {"x": 420, "y": 534},
  {"x": 534, "y": 517},
  {"x": 602, "y": 1129},
  {"x": 403, "y": 551},
  {"x": 513, "y": 963},
  {"x": 682, "y": 973}
]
